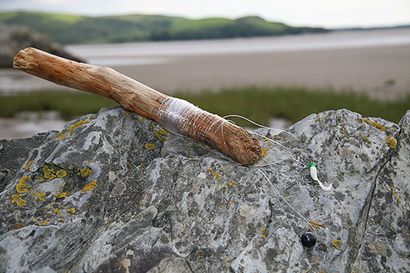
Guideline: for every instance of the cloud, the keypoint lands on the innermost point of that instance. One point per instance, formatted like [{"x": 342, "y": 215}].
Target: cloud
[{"x": 51, "y": 1}]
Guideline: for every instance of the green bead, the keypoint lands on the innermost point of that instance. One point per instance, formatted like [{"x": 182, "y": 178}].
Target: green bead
[{"x": 312, "y": 164}]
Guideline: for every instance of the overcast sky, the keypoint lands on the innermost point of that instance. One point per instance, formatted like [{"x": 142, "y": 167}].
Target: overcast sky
[{"x": 327, "y": 13}]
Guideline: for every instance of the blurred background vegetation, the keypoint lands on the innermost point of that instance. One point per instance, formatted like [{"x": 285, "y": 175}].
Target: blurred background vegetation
[
  {"x": 74, "y": 29},
  {"x": 256, "y": 103},
  {"x": 237, "y": 66}
]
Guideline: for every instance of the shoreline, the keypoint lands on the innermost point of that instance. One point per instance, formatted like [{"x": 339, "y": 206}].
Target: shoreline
[{"x": 382, "y": 73}]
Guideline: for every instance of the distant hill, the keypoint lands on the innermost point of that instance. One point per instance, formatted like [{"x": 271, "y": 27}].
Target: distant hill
[{"x": 72, "y": 29}]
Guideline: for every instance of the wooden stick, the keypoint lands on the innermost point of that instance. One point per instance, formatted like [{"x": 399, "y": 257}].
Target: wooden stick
[{"x": 230, "y": 139}]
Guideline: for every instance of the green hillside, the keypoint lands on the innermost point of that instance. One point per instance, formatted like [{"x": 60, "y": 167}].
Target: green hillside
[{"x": 72, "y": 29}]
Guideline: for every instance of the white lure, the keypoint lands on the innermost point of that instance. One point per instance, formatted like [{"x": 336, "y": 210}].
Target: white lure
[{"x": 313, "y": 174}]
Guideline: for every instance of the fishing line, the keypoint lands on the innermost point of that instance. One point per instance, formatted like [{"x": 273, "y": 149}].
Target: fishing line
[
  {"x": 266, "y": 138},
  {"x": 181, "y": 117},
  {"x": 284, "y": 200},
  {"x": 277, "y": 143},
  {"x": 257, "y": 124},
  {"x": 307, "y": 239},
  {"x": 311, "y": 166}
]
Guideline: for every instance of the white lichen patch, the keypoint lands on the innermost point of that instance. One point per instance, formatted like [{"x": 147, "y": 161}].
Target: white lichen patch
[
  {"x": 53, "y": 186},
  {"x": 91, "y": 140}
]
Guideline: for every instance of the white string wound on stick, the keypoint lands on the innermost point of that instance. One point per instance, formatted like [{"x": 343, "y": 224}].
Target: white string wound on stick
[
  {"x": 184, "y": 118},
  {"x": 181, "y": 117}
]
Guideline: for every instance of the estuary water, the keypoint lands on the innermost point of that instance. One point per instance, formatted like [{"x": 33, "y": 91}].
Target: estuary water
[{"x": 143, "y": 53}]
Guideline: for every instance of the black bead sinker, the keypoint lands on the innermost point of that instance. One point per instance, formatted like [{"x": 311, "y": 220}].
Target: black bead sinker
[{"x": 308, "y": 239}]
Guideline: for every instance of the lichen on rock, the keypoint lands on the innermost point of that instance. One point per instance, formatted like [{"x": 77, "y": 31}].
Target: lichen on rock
[
  {"x": 49, "y": 173},
  {"x": 21, "y": 186},
  {"x": 85, "y": 172},
  {"x": 98, "y": 200},
  {"x": 90, "y": 186}
]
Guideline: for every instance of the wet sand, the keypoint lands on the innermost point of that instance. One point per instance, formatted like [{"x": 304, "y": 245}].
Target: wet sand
[{"x": 382, "y": 72}]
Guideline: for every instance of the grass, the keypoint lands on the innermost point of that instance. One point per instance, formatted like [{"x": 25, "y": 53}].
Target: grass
[
  {"x": 68, "y": 104},
  {"x": 293, "y": 103},
  {"x": 257, "y": 103}
]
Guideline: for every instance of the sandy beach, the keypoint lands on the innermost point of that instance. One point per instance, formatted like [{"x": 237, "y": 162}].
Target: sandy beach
[
  {"x": 382, "y": 72},
  {"x": 374, "y": 62}
]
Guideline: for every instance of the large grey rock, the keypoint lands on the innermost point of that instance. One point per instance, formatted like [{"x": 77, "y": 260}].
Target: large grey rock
[
  {"x": 113, "y": 192},
  {"x": 15, "y": 38}
]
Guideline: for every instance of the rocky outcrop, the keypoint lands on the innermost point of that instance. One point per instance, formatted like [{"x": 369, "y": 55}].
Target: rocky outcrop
[
  {"x": 15, "y": 38},
  {"x": 113, "y": 192}
]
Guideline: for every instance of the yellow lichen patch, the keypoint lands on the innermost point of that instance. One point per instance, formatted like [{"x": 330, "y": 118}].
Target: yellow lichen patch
[
  {"x": 86, "y": 172},
  {"x": 60, "y": 195},
  {"x": 40, "y": 196},
  {"x": 78, "y": 124},
  {"x": 150, "y": 146},
  {"x": 336, "y": 244},
  {"x": 229, "y": 184},
  {"x": 70, "y": 130},
  {"x": 391, "y": 141},
  {"x": 377, "y": 125},
  {"x": 27, "y": 166},
  {"x": 72, "y": 210},
  {"x": 160, "y": 134},
  {"x": 61, "y": 173},
  {"x": 61, "y": 136},
  {"x": 216, "y": 175},
  {"x": 44, "y": 223},
  {"x": 50, "y": 173},
  {"x": 17, "y": 226},
  {"x": 265, "y": 151},
  {"x": 18, "y": 200},
  {"x": 232, "y": 184},
  {"x": 264, "y": 232},
  {"x": 316, "y": 224},
  {"x": 151, "y": 126},
  {"x": 57, "y": 211},
  {"x": 89, "y": 186},
  {"x": 21, "y": 186}
]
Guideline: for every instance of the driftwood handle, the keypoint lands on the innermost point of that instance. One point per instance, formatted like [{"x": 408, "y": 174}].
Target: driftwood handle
[{"x": 143, "y": 100}]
